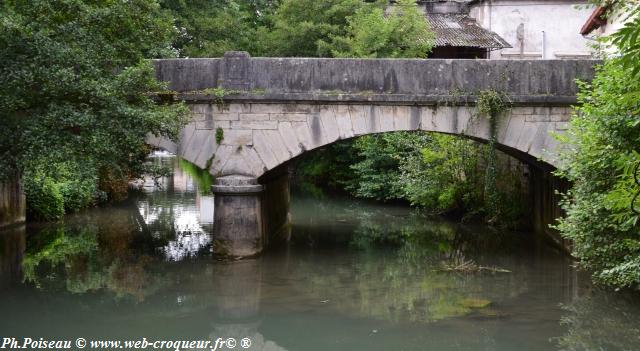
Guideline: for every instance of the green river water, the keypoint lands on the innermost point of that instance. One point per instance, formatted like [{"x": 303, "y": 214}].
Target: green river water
[{"x": 355, "y": 276}]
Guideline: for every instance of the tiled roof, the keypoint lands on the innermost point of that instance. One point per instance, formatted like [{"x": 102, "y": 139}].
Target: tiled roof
[{"x": 462, "y": 30}]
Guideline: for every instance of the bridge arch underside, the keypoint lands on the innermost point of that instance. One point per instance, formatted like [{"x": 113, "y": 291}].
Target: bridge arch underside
[{"x": 251, "y": 139}]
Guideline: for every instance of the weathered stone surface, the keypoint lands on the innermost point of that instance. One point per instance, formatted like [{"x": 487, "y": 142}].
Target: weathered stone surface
[
  {"x": 263, "y": 148},
  {"x": 226, "y": 116},
  {"x": 254, "y": 116},
  {"x": 330, "y": 130},
  {"x": 238, "y": 227},
  {"x": 237, "y": 137},
  {"x": 288, "y": 117},
  {"x": 220, "y": 158},
  {"x": 236, "y": 163},
  {"x": 290, "y": 106},
  {"x": 279, "y": 149},
  {"x": 407, "y": 80},
  {"x": 303, "y": 133},
  {"x": 289, "y": 138},
  {"x": 208, "y": 148},
  {"x": 278, "y": 134},
  {"x": 254, "y": 125}
]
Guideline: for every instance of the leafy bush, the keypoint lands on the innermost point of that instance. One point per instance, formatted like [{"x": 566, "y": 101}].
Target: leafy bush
[
  {"x": 603, "y": 141},
  {"x": 44, "y": 198}
]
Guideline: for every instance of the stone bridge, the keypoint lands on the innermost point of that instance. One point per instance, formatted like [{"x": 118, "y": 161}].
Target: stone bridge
[{"x": 249, "y": 116}]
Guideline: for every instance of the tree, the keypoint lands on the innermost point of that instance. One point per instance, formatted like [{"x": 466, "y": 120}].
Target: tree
[
  {"x": 303, "y": 28},
  {"x": 600, "y": 159},
  {"x": 74, "y": 97},
  {"x": 402, "y": 32},
  {"x": 209, "y": 28}
]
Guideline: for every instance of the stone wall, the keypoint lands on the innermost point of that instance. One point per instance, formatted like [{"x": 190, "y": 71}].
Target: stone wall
[
  {"x": 545, "y": 190},
  {"x": 373, "y": 80},
  {"x": 259, "y": 137},
  {"x": 12, "y": 203}
]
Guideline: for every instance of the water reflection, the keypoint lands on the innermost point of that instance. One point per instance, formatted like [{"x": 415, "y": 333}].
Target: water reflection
[
  {"x": 176, "y": 207},
  {"x": 355, "y": 276}
]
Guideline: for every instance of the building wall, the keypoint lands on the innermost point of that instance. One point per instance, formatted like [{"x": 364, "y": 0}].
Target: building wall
[
  {"x": 615, "y": 22},
  {"x": 560, "y": 20}
]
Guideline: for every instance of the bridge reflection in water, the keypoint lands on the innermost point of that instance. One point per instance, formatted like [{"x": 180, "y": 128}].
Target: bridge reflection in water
[{"x": 354, "y": 276}]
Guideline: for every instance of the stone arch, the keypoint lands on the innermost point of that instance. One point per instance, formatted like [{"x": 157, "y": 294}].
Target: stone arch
[{"x": 259, "y": 137}]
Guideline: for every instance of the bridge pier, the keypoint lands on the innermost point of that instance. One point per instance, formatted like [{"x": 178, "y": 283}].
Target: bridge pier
[
  {"x": 248, "y": 216},
  {"x": 238, "y": 223}
]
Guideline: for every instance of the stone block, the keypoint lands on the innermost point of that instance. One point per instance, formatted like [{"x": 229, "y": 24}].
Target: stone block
[
  {"x": 509, "y": 131},
  {"x": 220, "y": 159},
  {"x": 225, "y": 116},
  {"x": 372, "y": 119},
  {"x": 464, "y": 123},
  {"x": 539, "y": 142},
  {"x": 254, "y": 125},
  {"x": 289, "y": 117},
  {"x": 239, "y": 108},
  {"x": 357, "y": 114},
  {"x": 538, "y": 118},
  {"x": 279, "y": 149},
  {"x": 344, "y": 125},
  {"x": 560, "y": 110},
  {"x": 222, "y": 124},
  {"x": 289, "y": 138},
  {"x": 560, "y": 117},
  {"x": 266, "y": 108},
  {"x": 204, "y": 125},
  {"x": 522, "y": 110},
  {"x": 258, "y": 168},
  {"x": 387, "y": 116},
  {"x": 208, "y": 148},
  {"x": 330, "y": 130},
  {"x": 442, "y": 120},
  {"x": 237, "y": 137},
  {"x": 254, "y": 116},
  {"x": 526, "y": 135},
  {"x": 236, "y": 164},
  {"x": 263, "y": 149},
  {"x": 303, "y": 134},
  {"x": 427, "y": 121}
]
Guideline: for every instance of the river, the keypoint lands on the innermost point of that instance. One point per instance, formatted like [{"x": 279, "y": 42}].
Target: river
[{"x": 355, "y": 276}]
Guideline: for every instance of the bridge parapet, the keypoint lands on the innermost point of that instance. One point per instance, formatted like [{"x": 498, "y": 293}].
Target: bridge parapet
[{"x": 387, "y": 81}]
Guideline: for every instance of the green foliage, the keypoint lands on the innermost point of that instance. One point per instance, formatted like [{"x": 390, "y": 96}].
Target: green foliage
[
  {"x": 439, "y": 173},
  {"x": 602, "y": 151},
  {"x": 56, "y": 247},
  {"x": 74, "y": 108},
  {"x": 492, "y": 104},
  {"x": 380, "y": 156},
  {"x": 328, "y": 166},
  {"x": 209, "y": 28},
  {"x": 444, "y": 177},
  {"x": 45, "y": 198},
  {"x": 304, "y": 28},
  {"x": 401, "y": 32},
  {"x": 219, "y": 135},
  {"x": 203, "y": 178}
]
